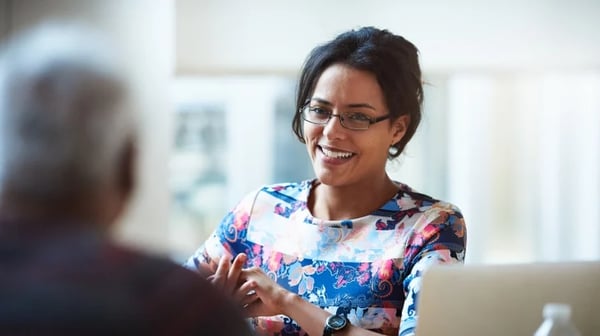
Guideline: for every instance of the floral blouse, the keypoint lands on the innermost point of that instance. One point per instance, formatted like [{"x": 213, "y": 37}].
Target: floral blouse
[{"x": 367, "y": 268}]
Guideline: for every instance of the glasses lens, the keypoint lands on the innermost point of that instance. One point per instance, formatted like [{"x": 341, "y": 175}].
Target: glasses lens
[
  {"x": 356, "y": 121},
  {"x": 315, "y": 115},
  {"x": 353, "y": 121}
]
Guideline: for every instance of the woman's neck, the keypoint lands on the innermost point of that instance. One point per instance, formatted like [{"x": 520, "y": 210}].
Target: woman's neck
[{"x": 353, "y": 201}]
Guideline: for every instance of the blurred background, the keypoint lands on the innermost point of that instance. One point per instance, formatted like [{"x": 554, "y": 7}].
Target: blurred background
[{"x": 511, "y": 131}]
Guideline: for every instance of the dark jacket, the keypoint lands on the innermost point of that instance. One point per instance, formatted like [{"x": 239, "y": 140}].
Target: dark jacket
[{"x": 77, "y": 282}]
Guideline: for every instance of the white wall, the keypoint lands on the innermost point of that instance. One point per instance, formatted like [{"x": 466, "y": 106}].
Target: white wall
[
  {"x": 142, "y": 30},
  {"x": 272, "y": 36}
]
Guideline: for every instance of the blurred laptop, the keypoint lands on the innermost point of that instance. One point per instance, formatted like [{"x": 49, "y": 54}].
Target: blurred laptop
[{"x": 476, "y": 300}]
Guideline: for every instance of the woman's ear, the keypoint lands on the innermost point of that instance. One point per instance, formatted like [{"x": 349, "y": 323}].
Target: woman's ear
[{"x": 399, "y": 128}]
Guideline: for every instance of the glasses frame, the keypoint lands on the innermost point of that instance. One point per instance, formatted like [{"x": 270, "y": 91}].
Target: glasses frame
[{"x": 341, "y": 119}]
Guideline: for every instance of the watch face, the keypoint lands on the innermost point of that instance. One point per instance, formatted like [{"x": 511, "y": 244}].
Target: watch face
[{"x": 337, "y": 322}]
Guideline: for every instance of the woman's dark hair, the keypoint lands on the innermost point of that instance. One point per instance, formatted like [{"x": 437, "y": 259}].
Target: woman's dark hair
[{"x": 393, "y": 60}]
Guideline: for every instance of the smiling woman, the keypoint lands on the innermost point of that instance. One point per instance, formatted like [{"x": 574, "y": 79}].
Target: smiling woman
[
  {"x": 341, "y": 253},
  {"x": 346, "y": 159}
]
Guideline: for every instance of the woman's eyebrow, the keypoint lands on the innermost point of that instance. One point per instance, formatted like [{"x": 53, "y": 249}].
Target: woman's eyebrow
[
  {"x": 362, "y": 105},
  {"x": 357, "y": 105},
  {"x": 321, "y": 101}
]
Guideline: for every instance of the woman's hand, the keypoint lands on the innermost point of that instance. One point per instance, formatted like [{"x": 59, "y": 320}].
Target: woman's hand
[
  {"x": 227, "y": 273},
  {"x": 270, "y": 298},
  {"x": 225, "y": 276}
]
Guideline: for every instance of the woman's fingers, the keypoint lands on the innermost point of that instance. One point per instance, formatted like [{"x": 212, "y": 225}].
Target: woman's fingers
[
  {"x": 246, "y": 294},
  {"x": 219, "y": 279},
  {"x": 272, "y": 297},
  {"x": 233, "y": 274},
  {"x": 227, "y": 274}
]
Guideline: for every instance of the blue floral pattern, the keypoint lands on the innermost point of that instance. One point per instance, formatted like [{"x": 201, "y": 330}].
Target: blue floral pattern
[{"x": 368, "y": 268}]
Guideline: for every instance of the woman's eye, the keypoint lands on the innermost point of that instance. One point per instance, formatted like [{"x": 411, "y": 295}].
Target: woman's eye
[
  {"x": 357, "y": 116},
  {"x": 319, "y": 111}
]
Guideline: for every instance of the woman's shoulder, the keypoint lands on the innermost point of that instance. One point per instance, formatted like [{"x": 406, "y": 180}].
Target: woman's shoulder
[{"x": 408, "y": 197}]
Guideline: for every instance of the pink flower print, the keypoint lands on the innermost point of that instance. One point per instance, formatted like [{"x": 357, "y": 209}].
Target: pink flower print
[
  {"x": 256, "y": 261},
  {"x": 279, "y": 209},
  {"x": 299, "y": 275},
  {"x": 344, "y": 275},
  {"x": 363, "y": 267},
  {"x": 382, "y": 269},
  {"x": 239, "y": 222},
  {"x": 363, "y": 278},
  {"x": 287, "y": 259},
  {"x": 385, "y": 272},
  {"x": 274, "y": 261},
  {"x": 278, "y": 187},
  {"x": 321, "y": 267},
  {"x": 380, "y": 225}
]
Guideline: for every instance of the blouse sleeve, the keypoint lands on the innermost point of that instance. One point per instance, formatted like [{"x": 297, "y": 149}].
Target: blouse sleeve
[
  {"x": 227, "y": 236},
  {"x": 439, "y": 237}
]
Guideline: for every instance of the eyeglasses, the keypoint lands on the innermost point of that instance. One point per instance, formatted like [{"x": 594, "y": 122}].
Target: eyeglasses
[{"x": 351, "y": 120}]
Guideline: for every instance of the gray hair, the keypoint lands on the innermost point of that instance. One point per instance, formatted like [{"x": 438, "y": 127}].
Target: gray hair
[{"x": 64, "y": 117}]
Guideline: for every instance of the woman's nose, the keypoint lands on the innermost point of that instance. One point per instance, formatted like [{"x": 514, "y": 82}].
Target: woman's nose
[{"x": 334, "y": 129}]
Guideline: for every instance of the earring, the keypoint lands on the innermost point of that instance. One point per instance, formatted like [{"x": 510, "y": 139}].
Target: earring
[{"x": 393, "y": 151}]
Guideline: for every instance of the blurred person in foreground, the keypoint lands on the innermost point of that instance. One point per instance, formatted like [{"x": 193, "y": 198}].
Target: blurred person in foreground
[
  {"x": 343, "y": 253},
  {"x": 67, "y": 162}
]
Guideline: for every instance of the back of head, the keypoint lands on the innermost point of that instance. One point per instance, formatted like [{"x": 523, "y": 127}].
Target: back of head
[
  {"x": 63, "y": 119},
  {"x": 65, "y": 130},
  {"x": 390, "y": 58}
]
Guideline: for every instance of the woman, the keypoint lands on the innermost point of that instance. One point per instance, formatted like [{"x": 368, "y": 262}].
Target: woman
[{"x": 347, "y": 249}]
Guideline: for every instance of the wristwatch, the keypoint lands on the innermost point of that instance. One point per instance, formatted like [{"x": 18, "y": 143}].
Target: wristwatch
[{"x": 334, "y": 323}]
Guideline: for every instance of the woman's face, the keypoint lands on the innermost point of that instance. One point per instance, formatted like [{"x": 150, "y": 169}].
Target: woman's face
[{"x": 344, "y": 157}]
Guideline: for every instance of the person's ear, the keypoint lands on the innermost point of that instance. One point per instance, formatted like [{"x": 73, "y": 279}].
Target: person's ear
[{"x": 399, "y": 128}]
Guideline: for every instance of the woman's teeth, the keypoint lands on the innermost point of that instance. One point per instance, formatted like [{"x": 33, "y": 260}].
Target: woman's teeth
[{"x": 336, "y": 155}]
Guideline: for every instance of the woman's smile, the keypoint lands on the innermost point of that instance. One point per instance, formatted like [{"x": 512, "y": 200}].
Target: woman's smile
[{"x": 332, "y": 153}]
